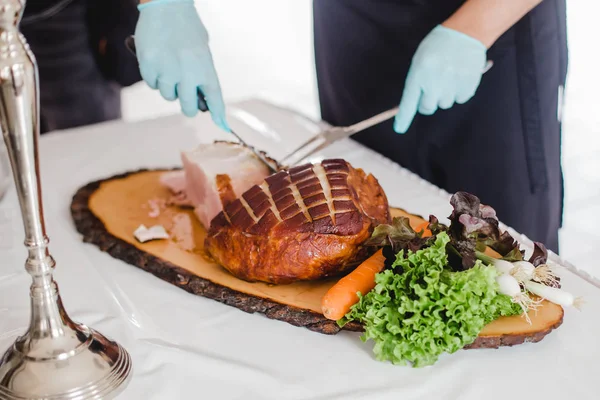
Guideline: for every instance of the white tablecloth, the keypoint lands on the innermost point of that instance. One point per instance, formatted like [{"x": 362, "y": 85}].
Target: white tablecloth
[{"x": 188, "y": 347}]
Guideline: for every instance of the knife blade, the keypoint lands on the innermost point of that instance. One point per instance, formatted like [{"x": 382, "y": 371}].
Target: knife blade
[
  {"x": 203, "y": 106},
  {"x": 257, "y": 153}
]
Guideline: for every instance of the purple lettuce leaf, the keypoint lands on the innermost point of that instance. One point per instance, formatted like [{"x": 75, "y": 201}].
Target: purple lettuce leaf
[
  {"x": 507, "y": 247},
  {"x": 540, "y": 255},
  {"x": 435, "y": 226},
  {"x": 473, "y": 227}
]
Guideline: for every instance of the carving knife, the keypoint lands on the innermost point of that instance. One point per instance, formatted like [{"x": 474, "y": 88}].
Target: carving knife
[{"x": 203, "y": 106}]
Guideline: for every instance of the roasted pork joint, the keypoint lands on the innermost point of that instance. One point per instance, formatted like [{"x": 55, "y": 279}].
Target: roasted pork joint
[
  {"x": 305, "y": 223},
  {"x": 213, "y": 175}
]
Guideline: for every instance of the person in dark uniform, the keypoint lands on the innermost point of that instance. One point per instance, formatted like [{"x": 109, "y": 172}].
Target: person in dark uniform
[
  {"x": 496, "y": 135},
  {"x": 82, "y": 62}
]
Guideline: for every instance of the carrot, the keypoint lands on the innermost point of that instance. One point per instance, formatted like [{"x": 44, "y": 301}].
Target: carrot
[
  {"x": 337, "y": 301},
  {"x": 423, "y": 227},
  {"x": 342, "y": 296}
]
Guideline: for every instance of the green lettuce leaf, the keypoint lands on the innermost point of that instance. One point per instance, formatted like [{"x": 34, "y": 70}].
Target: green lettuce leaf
[{"x": 415, "y": 316}]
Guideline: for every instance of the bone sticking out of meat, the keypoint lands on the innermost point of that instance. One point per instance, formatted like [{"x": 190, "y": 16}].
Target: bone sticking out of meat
[
  {"x": 305, "y": 223},
  {"x": 213, "y": 175}
]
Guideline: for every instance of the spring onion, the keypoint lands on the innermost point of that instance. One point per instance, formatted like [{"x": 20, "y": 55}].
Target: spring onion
[
  {"x": 503, "y": 266},
  {"x": 523, "y": 271},
  {"x": 555, "y": 295},
  {"x": 508, "y": 285}
]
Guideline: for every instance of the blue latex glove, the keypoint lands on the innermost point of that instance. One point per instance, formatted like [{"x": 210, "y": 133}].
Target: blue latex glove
[
  {"x": 174, "y": 56},
  {"x": 445, "y": 69}
]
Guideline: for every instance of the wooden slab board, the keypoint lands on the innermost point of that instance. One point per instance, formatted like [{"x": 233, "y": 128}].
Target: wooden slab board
[{"x": 107, "y": 212}]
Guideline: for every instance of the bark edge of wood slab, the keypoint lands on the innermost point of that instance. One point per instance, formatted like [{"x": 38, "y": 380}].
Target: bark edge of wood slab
[{"x": 94, "y": 231}]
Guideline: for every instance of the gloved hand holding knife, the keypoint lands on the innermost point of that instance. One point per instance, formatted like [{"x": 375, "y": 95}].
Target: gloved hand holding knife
[
  {"x": 172, "y": 48},
  {"x": 171, "y": 45}
]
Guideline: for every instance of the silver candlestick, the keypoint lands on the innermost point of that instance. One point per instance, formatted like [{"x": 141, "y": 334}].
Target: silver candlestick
[{"x": 56, "y": 358}]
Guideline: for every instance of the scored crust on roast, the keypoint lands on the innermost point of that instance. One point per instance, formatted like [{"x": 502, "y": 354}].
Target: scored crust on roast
[{"x": 304, "y": 223}]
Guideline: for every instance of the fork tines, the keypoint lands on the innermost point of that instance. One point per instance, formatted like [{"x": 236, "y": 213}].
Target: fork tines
[{"x": 293, "y": 156}]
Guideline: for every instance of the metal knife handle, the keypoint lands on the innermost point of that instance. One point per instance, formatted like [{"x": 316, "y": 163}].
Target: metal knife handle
[
  {"x": 367, "y": 123},
  {"x": 361, "y": 126},
  {"x": 130, "y": 44}
]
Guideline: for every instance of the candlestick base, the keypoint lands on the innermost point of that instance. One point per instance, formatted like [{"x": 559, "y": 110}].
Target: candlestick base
[{"x": 76, "y": 362}]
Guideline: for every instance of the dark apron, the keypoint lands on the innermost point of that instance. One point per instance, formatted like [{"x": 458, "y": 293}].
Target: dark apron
[{"x": 503, "y": 145}]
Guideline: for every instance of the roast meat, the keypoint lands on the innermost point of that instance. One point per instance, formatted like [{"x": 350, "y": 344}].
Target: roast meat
[
  {"x": 213, "y": 175},
  {"x": 304, "y": 223}
]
